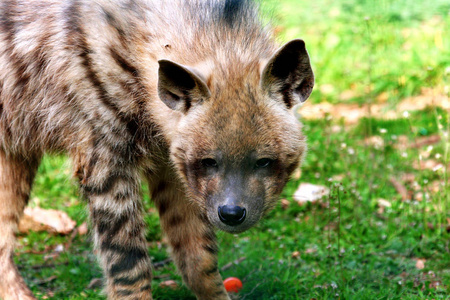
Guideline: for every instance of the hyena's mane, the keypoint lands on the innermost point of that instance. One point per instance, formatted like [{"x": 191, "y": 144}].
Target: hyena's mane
[
  {"x": 223, "y": 31},
  {"x": 232, "y": 13}
]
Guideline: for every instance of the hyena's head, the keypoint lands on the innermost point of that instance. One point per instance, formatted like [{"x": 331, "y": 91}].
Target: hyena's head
[{"x": 238, "y": 140}]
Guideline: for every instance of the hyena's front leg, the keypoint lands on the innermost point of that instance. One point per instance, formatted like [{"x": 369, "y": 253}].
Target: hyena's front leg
[
  {"x": 192, "y": 239},
  {"x": 116, "y": 213},
  {"x": 16, "y": 177}
]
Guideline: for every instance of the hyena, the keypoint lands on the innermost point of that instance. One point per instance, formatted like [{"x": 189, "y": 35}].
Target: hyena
[{"x": 193, "y": 96}]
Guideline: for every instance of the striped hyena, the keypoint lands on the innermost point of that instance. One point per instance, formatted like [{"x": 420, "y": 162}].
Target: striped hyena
[{"x": 194, "y": 96}]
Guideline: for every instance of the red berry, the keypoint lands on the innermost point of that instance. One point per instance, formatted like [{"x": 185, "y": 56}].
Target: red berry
[{"x": 232, "y": 284}]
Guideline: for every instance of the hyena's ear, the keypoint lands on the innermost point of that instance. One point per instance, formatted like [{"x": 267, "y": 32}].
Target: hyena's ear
[
  {"x": 179, "y": 87},
  {"x": 288, "y": 76}
]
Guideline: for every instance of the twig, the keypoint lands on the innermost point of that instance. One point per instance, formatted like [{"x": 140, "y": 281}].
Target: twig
[
  {"x": 400, "y": 188},
  {"x": 230, "y": 264},
  {"x": 71, "y": 238},
  {"x": 45, "y": 266},
  {"x": 45, "y": 281},
  {"x": 253, "y": 289},
  {"x": 426, "y": 141}
]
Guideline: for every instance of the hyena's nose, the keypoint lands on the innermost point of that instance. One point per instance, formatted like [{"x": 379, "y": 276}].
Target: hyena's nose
[{"x": 232, "y": 215}]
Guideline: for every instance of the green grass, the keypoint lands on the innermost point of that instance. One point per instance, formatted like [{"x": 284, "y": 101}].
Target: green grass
[
  {"x": 388, "y": 48},
  {"x": 348, "y": 247}
]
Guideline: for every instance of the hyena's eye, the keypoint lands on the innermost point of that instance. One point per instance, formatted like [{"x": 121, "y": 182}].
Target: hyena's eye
[
  {"x": 263, "y": 163},
  {"x": 209, "y": 163}
]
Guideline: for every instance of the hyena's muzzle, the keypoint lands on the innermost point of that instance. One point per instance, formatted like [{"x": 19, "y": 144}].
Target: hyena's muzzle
[{"x": 239, "y": 199}]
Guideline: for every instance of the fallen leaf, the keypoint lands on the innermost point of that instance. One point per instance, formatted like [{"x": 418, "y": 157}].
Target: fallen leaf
[
  {"x": 376, "y": 141},
  {"x": 308, "y": 192},
  {"x": 435, "y": 285},
  {"x": 310, "y": 250},
  {"x": 437, "y": 186},
  {"x": 49, "y": 294},
  {"x": 420, "y": 263},
  {"x": 82, "y": 229},
  {"x": 419, "y": 196},
  {"x": 285, "y": 203},
  {"x": 338, "y": 177},
  {"x": 428, "y": 164},
  {"x": 169, "y": 284},
  {"x": 38, "y": 219},
  {"x": 408, "y": 177},
  {"x": 383, "y": 97},
  {"x": 27, "y": 223},
  {"x": 402, "y": 142},
  {"x": 383, "y": 203}
]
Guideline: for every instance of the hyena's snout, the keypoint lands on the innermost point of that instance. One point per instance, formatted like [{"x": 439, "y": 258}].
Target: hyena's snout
[
  {"x": 233, "y": 209},
  {"x": 232, "y": 215}
]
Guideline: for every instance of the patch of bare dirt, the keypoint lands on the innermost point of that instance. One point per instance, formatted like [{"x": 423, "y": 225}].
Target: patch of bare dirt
[{"x": 351, "y": 113}]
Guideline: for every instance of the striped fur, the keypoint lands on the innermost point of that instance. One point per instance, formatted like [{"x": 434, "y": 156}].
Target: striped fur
[{"x": 153, "y": 87}]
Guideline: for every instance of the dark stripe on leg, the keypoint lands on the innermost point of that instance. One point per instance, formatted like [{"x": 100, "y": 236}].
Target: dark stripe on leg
[
  {"x": 211, "y": 270},
  {"x": 106, "y": 185},
  {"x": 146, "y": 287},
  {"x": 131, "y": 280},
  {"x": 125, "y": 292},
  {"x": 130, "y": 258},
  {"x": 107, "y": 222}
]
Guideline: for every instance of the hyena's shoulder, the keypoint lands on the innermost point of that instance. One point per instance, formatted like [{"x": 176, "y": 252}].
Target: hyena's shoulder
[{"x": 68, "y": 71}]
